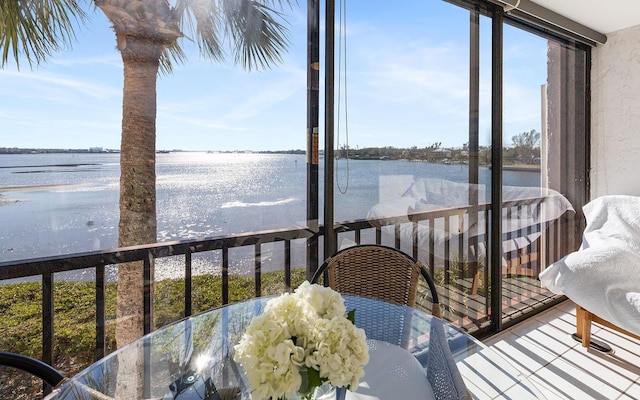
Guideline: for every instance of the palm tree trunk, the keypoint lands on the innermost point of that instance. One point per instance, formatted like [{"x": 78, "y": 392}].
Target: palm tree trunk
[{"x": 138, "y": 223}]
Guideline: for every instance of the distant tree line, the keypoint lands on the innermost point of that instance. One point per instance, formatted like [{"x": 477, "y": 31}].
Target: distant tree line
[
  {"x": 17, "y": 150},
  {"x": 525, "y": 149},
  {"x": 282, "y": 152}
]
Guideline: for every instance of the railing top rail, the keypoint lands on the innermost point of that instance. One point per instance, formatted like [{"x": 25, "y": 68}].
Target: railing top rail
[{"x": 53, "y": 264}]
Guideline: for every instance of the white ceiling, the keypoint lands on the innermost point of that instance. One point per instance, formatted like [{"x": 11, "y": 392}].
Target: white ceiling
[{"x": 600, "y": 15}]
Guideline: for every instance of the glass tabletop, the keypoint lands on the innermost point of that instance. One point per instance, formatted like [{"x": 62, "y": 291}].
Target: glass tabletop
[{"x": 194, "y": 356}]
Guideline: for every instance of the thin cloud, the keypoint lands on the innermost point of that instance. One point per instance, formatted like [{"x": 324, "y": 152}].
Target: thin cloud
[
  {"x": 234, "y": 108},
  {"x": 60, "y": 81},
  {"x": 402, "y": 75},
  {"x": 111, "y": 60},
  {"x": 419, "y": 70},
  {"x": 264, "y": 100},
  {"x": 410, "y": 85},
  {"x": 201, "y": 122}
]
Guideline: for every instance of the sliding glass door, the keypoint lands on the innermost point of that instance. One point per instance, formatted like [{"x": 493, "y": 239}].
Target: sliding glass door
[{"x": 459, "y": 135}]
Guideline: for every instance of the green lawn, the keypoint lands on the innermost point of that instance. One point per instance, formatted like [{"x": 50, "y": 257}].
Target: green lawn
[{"x": 74, "y": 317}]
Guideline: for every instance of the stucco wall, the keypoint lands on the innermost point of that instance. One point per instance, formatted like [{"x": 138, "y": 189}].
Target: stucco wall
[{"x": 615, "y": 112}]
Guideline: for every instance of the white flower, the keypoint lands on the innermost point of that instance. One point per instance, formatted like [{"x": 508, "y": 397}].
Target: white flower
[
  {"x": 340, "y": 352},
  {"x": 303, "y": 331},
  {"x": 326, "y": 302}
]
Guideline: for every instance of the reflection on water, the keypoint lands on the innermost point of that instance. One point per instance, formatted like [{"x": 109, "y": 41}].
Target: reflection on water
[{"x": 198, "y": 195}]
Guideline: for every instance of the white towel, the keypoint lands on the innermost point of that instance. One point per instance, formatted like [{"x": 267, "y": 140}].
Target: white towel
[{"x": 603, "y": 276}]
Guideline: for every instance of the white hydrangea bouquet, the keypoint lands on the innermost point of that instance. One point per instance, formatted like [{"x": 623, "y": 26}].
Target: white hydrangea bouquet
[{"x": 302, "y": 340}]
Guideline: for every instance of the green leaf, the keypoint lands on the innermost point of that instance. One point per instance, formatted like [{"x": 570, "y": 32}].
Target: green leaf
[
  {"x": 351, "y": 316},
  {"x": 313, "y": 377},
  {"x": 310, "y": 380}
]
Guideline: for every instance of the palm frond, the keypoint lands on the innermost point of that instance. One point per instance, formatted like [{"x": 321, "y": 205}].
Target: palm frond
[
  {"x": 35, "y": 29},
  {"x": 255, "y": 30},
  {"x": 259, "y": 39},
  {"x": 202, "y": 21},
  {"x": 171, "y": 54}
]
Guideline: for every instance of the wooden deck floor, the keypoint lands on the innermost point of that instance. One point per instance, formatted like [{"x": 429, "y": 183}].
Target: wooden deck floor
[{"x": 521, "y": 295}]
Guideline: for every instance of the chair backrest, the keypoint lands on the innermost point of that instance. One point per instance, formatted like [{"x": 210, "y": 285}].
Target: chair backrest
[
  {"x": 37, "y": 368},
  {"x": 442, "y": 372},
  {"x": 377, "y": 271}
]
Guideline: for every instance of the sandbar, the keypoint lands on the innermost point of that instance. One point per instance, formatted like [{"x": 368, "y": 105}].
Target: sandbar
[{"x": 34, "y": 187}]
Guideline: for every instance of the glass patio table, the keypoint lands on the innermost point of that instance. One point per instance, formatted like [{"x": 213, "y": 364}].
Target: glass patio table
[{"x": 193, "y": 359}]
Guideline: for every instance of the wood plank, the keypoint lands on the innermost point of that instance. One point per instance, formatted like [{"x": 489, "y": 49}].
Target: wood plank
[{"x": 520, "y": 295}]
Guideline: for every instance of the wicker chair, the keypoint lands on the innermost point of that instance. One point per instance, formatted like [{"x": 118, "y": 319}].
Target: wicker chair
[
  {"x": 49, "y": 375},
  {"x": 442, "y": 372},
  {"x": 389, "y": 274},
  {"x": 377, "y": 271},
  {"x": 53, "y": 378}
]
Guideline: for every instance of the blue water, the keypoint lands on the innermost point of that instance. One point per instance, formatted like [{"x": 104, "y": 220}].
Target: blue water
[{"x": 198, "y": 195}]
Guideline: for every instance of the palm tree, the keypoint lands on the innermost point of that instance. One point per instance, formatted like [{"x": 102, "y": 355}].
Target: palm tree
[{"x": 147, "y": 35}]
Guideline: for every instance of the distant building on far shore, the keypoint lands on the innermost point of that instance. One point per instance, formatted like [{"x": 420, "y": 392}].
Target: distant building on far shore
[{"x": 96, "y": 150}]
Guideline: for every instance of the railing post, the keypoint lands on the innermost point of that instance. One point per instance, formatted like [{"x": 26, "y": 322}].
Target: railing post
[
  {"x": 47, "y": 320},
  {"x": 447, "y": 251},
  {"x": 47, "y": 317},
  {"x": 100, "y": 312},
  {"x": 287, "y": 265},
  {"x": 225, "y": 275},
  {"x": 188, "y": 283},
  {"x": 257, "y": 258},
  {"x": 148, "y": 293}
]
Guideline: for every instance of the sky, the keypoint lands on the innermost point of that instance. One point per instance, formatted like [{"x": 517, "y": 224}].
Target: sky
[{"x": 406, "y": 85}]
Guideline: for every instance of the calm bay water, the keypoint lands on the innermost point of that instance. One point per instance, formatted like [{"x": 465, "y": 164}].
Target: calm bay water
[{"x": 68, "y": 203}]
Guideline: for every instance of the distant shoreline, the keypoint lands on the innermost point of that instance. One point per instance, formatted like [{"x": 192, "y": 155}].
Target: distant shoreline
[
  {"x": 49, "y": 165},
  {"x": 17, "y": 151},
  {"x": 26, "y": 188}
]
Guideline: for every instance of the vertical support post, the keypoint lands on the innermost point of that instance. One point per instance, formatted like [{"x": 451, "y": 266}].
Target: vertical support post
[
  {"x": 496, "y": 169},
  {"x": 329, "y": 125},
  {"x": 474, "y": 145},
  {"x": 543, "y": 258},
  {"x": 474, "y": 99},
  {"x": 313, "y": 151}
]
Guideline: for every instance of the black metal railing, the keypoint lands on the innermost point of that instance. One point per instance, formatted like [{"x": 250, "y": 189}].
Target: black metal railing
[{"x": 464, "y": 228}]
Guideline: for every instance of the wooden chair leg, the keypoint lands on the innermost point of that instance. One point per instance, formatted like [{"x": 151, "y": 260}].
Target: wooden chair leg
[
  {"x": 476, "y": 282},
  {"x": 583, "y": 325}
]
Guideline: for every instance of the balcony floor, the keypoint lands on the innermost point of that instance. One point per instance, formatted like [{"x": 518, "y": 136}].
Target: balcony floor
[
  {"x": 520, "y": 295},
  {"x": 543, "y": 350}
]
